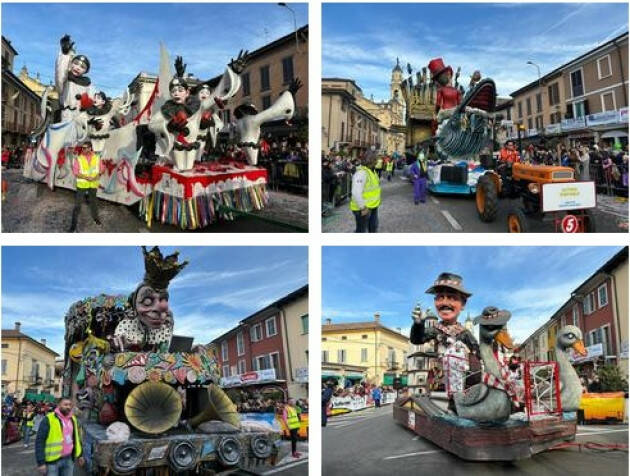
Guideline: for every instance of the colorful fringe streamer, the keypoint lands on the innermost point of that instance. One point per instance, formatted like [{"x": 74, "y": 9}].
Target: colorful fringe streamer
[{"x": 202, "y": 210}]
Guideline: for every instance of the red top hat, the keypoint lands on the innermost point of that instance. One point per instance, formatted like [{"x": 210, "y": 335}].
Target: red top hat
[{"x": 436, "y": 66}]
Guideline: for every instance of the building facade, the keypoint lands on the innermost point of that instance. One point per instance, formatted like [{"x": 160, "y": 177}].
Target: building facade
[
  {"x": 20, "y": 105},
  {"x": 346, "y": 126},
  {"x": 28, "y": 366},
  {"x": 584, "y": 100},
  {"x": 599, "y": 308},
  {"x": 381, "y": 351},
  {"x": 274, "y": 338}
]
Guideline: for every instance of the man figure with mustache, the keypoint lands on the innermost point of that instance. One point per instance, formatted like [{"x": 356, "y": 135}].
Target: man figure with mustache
[{"x": 449, "y": 298}]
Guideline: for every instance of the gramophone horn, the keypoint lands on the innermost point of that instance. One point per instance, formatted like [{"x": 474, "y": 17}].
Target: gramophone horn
[
  {"x": 153, "y": 407},
  {"x": 217, "y": 407}
]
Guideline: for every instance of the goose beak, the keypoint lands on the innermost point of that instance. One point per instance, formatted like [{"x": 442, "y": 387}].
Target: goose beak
[
  {"x": 504, "y": 339},
  {"x": 578, "y": 346}
]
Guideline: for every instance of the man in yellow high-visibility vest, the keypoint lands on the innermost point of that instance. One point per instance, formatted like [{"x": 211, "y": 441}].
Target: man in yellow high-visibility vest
[
  {"x": 87, "y": 168},
  {"x": 58, "y": 441},
  {"x": 366, "y": 195},
  {"x": 291, "y": 419}
]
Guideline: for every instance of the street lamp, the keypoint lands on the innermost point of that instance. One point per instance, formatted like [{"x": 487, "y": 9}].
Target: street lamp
[
  {"x": 282, "y": 4},
  {"x": 542, "y": 130}
]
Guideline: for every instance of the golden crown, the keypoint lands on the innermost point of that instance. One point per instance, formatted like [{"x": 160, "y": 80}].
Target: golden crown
[{"x": 159, "y": 270}]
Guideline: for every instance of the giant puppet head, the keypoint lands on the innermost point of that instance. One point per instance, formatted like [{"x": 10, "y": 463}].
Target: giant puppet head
[
  {"x": 449, "y": 296},
  {"x": 440, "y": 73},
  {"x": 150, "y": 299},
  {"x": 178, "y": 87}
]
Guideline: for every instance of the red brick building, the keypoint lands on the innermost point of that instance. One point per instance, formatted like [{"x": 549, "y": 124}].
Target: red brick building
[{"x": 261, "y": 342}]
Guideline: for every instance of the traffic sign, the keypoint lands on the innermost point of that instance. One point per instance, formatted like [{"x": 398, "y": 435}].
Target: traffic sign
[{"x": 570, "y": 224}]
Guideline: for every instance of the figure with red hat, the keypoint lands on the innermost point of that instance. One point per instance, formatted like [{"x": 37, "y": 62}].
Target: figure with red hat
[
  {"x": 448, "y": 96},
  {"x": 71, "y": 82}
]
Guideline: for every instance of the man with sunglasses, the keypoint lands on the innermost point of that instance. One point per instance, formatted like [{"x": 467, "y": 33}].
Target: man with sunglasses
[{"x": 87, "y": 168}]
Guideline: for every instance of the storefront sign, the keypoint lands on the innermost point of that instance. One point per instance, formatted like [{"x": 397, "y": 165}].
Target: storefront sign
[
  {"x": 553, "y": 128},
  {"x": 577, "y": 123},
  {"x": 249, "y": 377},
  {"x": 606, "y": 117},
  {"x": 506, "y": 122},
  {"x": 301, "y": 375},
  {"x": 568, "y": 196},
  {"x": 623, "y": 114},
  {"x": 593, "y": 351}
]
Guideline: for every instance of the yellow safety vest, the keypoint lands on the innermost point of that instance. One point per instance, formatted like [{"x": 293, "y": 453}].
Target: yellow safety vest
[
  {"x": 29, "y": 422},
  {"x": 91, "y": 169},
  {"x": 379, "y": 164},
  {"x": 293, "y": 421},
  {"x": 54, "y": 441},
  {"x": 371, "y": 191},
  {"x": 390, "y": 166}
]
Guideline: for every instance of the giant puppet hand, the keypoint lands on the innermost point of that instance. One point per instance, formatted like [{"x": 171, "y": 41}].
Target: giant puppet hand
[
  {"x": 239, "y": 64},
  {"x": 66, "y": 44}
]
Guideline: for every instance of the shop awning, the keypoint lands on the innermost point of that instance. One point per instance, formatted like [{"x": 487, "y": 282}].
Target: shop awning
[{"x": 611, "y": 134}]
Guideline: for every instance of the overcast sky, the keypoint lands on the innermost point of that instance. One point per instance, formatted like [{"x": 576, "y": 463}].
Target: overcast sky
[
  {"x": 123, "y": 39},
  {"x": 530, "y": 282},
  {"x": 362, "y": 41},
  {"x": 220, "y": 286}
]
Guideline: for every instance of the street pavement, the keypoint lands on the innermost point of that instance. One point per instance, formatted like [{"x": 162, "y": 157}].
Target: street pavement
[
  {"x": 20, "y": 461},
  {"x": 30, "y": 207},
  {"x": 370, "y": 442},
  {"x": 443, "y": 214}
]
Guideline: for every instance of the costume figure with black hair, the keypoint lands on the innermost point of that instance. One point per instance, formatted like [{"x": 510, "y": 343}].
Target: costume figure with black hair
[
  {"x": 177, "y": 111},
  {"x": 101, "y": 119},
  {"x": 71, "y": 82},
  {"x": 149, "y": 325},
  {"x": 452, "y": 338}
]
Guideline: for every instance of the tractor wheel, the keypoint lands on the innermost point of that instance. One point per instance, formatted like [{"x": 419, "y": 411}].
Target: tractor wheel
[
  {"x": 589, "y": 221},
  {"x": 486, "y": 199},
  {"x": 517, "y": 221}
]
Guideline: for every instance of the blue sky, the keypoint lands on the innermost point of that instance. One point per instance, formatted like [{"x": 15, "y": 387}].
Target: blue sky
[
  {"x": 531, "y": 282},
  {"x": 362, "y": 41},
  {"x": 220, "y": 286},
  {"x": 123, "y": 39}
]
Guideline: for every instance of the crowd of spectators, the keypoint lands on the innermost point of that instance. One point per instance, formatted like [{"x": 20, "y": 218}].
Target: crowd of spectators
[{"x": 16, "y": 416}]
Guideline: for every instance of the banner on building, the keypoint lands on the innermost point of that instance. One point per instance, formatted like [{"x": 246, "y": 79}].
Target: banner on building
[
  {"x": 623, "y": 114},
  {"x": 553, "y": 128},
  {"x": 568, "y": 196},
  {"x": 301, "y": 375},
  {"x": 256, "y": 376},
  {"x": 593, "y": 351},
  {"x": 576, "y": 123},
  {"x": 601, "y": 118}
]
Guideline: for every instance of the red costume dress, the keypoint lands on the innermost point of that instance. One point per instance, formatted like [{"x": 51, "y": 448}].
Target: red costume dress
[{"x": 448, "y": 97}]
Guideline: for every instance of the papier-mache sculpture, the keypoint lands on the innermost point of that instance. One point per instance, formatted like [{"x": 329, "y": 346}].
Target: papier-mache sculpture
[
  {"x": 120, "y": 368},
  {"x": 180, "y": 119}
]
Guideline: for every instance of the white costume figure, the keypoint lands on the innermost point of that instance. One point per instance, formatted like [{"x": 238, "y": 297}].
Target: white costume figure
[
  {"x": 249, "y": 120},
  {"x": 104, "y": 114},
  {"x": 177, "y": 123},
  {"x": 70, "y": 79}
]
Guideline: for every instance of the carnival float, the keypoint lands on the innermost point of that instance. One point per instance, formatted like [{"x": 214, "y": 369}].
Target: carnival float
[
  {"x": 465, "y": 130},
  {"x": 152, "y": 147},
  {"x": 149, "y": 400},
  {"x": 494, "y": 414}
]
